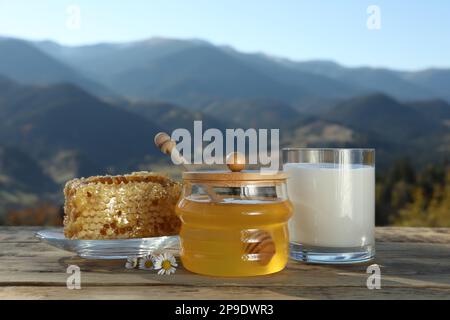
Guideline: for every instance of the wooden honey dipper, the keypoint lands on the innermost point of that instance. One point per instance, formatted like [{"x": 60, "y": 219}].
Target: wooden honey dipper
[
  {"x": 260, "y": 242},
  {"x": 168, "y": 146}
]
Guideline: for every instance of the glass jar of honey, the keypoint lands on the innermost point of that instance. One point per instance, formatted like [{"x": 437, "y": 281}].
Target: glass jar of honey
[{"x": 234, "y": 223}]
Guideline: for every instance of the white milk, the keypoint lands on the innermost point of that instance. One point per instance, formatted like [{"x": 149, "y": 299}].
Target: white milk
[{"x": 334, "y": 206}]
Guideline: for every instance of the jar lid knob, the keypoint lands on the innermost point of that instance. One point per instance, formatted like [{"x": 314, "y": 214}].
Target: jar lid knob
[{"x": 235, "y": 161}]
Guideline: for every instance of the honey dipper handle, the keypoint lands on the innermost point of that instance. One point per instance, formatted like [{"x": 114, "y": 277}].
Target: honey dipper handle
[{"x": 168, "y": 146}]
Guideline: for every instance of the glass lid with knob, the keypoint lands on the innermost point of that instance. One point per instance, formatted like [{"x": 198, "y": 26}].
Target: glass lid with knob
[{"x": 236, "y": 185}]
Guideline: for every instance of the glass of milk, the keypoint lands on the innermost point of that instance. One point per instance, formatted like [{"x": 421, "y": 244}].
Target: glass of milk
[{"x": 333, "y": 193}]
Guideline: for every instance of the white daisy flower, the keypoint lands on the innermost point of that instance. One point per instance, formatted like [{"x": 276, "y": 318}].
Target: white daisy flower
[
  {"x": 166, "y": 264},
  {"x": 132, "y": 263},
  {"x": 147, "y": 262}
]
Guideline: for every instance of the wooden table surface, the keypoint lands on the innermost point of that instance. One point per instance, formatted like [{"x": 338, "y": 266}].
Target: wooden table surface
[{"x": 414, "y": 262}]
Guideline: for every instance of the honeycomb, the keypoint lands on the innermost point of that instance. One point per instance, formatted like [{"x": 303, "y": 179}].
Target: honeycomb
[{"x": 138, "y": 205}]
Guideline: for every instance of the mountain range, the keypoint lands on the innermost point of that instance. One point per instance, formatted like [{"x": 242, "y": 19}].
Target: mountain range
[
  {"x": 86, "y": 110},
  {"x": 195, "y": 71},
  {"x": 22, "y": 61}
]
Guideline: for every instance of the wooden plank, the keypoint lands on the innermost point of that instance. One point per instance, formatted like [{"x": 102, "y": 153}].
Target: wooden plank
[
  {"x": 415, "y": 263},
  {"x": 231, "y": 293},
  {"x": 407, "y": 234},
  {"x": 18, "y": 234},
  {"x": 401, "y": 263},
  {"x": 383, "y": 234}
]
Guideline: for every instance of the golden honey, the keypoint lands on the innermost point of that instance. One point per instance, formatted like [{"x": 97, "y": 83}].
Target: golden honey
[{"x": 234, "y": 237}]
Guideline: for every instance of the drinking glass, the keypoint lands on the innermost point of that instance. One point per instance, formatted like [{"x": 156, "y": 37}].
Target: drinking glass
[{"x": 333, "y": 194}]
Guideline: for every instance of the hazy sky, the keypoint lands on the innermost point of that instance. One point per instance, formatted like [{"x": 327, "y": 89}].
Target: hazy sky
[{"x": 414, "y": 34}]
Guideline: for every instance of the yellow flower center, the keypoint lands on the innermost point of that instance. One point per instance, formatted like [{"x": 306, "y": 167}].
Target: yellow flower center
[
  {"x": 166, "y": 265},
  {"x": 148, "y": 264}
]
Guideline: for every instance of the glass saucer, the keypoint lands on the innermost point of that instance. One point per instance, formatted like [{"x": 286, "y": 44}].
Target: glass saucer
[{"x": 111, "y": 249}]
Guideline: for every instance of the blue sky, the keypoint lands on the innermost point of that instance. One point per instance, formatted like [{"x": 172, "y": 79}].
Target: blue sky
[{"x": 414, "y": 34}]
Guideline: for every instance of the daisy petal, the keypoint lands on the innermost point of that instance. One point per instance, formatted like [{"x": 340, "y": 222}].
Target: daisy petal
[
  {"x": 131, "y": 263},
  {"x": 147, "y": 263},
  {"x": 171, "y": 271}
]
